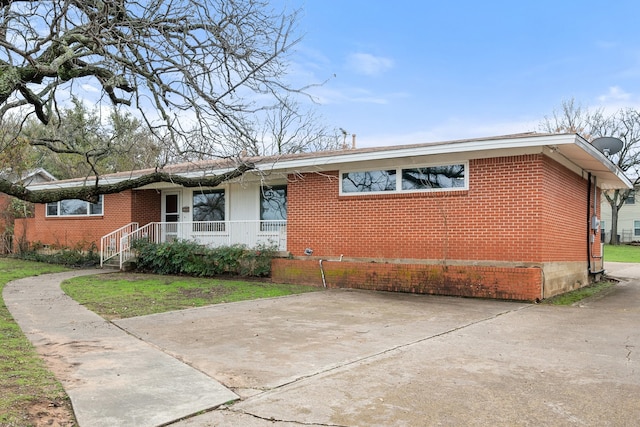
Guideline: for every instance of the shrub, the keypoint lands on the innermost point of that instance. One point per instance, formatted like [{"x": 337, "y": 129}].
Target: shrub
[
  {"x": 189, "y": 258},
  {"x": 70, "y": 258}
]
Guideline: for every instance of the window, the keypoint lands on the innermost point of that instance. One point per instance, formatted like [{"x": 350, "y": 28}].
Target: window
[
  {"x": 636, "y": 228},
  {"x": 369, "y": 181},
  {"x": 631, "y": 198},
  {"x": 428, "y": 178},
  {"x": 75, "y": 207},
  {"x": 208, "y": 205},
  {"x": 450, "y": 176},
  {"x": 273, "y": 203}
]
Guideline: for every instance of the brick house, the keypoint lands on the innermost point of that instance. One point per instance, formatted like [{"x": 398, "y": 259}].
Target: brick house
[
  {"x": 511, "y": 217},
  {"x": 8, "y": 210}
]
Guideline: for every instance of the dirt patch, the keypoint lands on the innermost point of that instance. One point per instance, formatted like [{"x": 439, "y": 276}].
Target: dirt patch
[
  {"x": 54, "y": 414},
  {"x": 205, "y": 293}
]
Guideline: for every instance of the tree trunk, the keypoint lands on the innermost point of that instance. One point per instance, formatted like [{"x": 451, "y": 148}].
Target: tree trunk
[{"x": 614, "y": 224}]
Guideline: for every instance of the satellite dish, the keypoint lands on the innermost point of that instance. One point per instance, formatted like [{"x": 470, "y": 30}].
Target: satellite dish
[{"x": 607, "y": 145}]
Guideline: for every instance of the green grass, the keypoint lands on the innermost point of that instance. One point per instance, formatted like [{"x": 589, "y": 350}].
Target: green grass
[
  {"x": 122, "y": 295},
  {"x": 622, "y": 253},
  {"x": 579, "y": 294},
  {"x": 24, "y": 380}
]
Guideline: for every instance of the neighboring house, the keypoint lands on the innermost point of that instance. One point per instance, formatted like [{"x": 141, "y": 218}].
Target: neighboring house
[
  {"x": 508, "y": 217},
  {"x": 628, "y": 219},
  {"x": 8, "y": 212}
]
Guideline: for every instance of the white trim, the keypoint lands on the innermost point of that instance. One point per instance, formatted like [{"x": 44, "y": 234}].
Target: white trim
[
  {"x": 572, "y": 147},
  {"x": 87, "y": 215}
]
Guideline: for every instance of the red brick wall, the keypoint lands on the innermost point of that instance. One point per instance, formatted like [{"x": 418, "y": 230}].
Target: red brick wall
[
  {"x": 79, "y": 232},
  {"x": 4, "y": 205},
  {"x": 141, "y": 206},
  {"x": 146, "y": 206},
  {"x": 521, "y": 214},
  {"x": 564, "y": 214},
  {"x": 517, "y": 209},
  {"x": 522, "y": 284}
]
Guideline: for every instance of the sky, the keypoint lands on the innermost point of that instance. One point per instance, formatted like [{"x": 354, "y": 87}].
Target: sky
[{"x": 401, "y": 71}]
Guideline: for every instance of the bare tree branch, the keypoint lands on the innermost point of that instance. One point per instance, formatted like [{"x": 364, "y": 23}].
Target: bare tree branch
[{"x": 187, "y": 67}]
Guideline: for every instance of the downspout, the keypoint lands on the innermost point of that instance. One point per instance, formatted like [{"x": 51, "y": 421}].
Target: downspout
[
  {"x": 324, "y": 282},
  {"x": 591, "y": 224}
]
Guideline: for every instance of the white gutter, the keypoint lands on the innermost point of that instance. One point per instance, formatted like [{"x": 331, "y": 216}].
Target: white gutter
[{"x": 332, "y": 158}]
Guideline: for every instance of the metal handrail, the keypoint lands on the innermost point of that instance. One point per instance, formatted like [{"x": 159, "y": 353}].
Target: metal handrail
[{"x": 110, "y": 243}]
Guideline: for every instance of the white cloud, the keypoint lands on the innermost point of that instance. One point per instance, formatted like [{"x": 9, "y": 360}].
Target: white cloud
[
  {"x": 325, "y": 95},
  {"x": 614, "y": 95},
  {"x": 89, "y": 88},
  {"x": 367, "y": 64}
]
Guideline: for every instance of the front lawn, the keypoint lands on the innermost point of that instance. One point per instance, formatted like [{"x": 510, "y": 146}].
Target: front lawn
[{"x": 122, "y": 295}]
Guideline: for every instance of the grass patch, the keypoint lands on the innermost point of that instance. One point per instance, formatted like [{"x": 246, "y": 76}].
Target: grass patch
[
  {"x": 579, "y": 294},
  {"x": 122, "y": 295},
  {"x": 30, "y": 393},
  {"x": 622, "y": 253}
]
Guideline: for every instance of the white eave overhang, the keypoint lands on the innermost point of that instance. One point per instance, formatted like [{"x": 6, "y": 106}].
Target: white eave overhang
[
  {"x": 574, "y": 151},
  {"x": 569, "y": 149}
]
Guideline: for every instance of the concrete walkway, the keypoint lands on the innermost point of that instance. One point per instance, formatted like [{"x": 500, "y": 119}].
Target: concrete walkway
[
  {"x": 112, "y": 378},
  {"x": 345, "y": 358}
]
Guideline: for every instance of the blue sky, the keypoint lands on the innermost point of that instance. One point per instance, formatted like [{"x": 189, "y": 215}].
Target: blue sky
[{"x": 420, "y": 71}]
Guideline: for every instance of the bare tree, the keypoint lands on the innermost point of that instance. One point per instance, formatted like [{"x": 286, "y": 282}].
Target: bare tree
[
  {"x": 623, "y": 124},
  {"x": 571, "y": 118},
  {"x": 289, "y": 128},
  {"x": 194, "y": 70}
]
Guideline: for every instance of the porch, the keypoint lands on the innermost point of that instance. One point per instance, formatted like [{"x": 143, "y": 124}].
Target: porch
[{"x": 116, "y": 246}]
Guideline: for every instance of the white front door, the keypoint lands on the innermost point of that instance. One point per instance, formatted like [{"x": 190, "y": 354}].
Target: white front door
[{"x": 170, "y": 214}]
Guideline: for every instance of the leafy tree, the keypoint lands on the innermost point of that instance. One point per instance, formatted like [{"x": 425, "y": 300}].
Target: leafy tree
[
  {"x": 194, "y": 71},
  {"x": 117, "y": 143},
  {"x": 623, "y": 124}
]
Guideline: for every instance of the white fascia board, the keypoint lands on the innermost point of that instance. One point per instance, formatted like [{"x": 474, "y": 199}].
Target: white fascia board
[
  {"x": 427, "y": 150},
  {"x": 320, "y": 162},
  {"x": 604, "y": 164}
]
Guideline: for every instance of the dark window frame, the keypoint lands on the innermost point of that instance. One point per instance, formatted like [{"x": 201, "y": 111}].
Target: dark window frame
[{"x": 216, "y": 228}]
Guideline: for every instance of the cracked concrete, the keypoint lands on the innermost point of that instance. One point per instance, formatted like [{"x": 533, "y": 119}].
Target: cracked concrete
[{"x": 354, "y": 358}]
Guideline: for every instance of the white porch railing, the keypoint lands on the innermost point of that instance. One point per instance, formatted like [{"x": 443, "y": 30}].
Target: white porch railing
[
  {"x": 110, "y": 244},
  {"x": 209, "y": 233}
]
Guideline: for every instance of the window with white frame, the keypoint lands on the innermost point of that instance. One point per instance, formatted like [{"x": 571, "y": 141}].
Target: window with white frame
[
  {"x": 369, "y": 181},
  {"x": 76, "y": 207},
  {"x": 426, "y": 178},
  {"x": 636, "y": 228}
]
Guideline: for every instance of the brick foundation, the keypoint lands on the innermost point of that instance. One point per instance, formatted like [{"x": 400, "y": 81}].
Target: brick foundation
[{"x": 511, "y": 283}]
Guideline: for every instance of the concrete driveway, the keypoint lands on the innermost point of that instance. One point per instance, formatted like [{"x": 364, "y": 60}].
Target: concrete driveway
[{"x": 357, "y": 358}]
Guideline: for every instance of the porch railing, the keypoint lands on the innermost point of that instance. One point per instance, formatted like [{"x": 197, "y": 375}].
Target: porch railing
[
  {"x": 110, "y": 244},
  {"x": 209, "y": 233}
]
